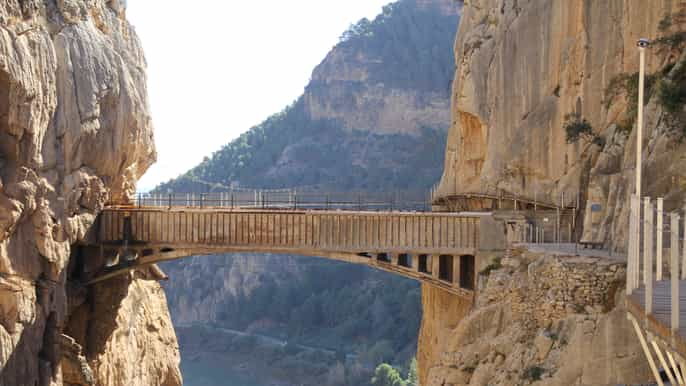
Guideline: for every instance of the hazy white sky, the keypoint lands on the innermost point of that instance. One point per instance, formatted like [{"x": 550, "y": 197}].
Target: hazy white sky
[{"x": 218, "y": 67}]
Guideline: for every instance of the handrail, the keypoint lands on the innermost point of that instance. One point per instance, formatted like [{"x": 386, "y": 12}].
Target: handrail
[{"x": 573, "y": 203}]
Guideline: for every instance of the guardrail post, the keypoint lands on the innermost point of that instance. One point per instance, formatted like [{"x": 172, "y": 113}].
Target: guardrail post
[
  {"x": 170, "y": 200},
  {"x": 658, "y": 247},
  {"x": 648, "y": 254},
  {"x": 683, "y": 258},
  {"x": 674, "y": 249},
  {"x": 327, "y": 201},
  {"x": 231, "y": 200},
  {"x": 295, "y": 200}
]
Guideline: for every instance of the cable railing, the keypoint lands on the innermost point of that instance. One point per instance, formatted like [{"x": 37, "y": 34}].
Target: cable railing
[{"x": 289, "y": 199}]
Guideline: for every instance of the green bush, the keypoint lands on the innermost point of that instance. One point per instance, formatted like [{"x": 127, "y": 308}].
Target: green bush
[
  {"x": 495, "y": 265},
  {"x": 533, "y": 373},
  {"x": 386, "y": 375},
  {"x": 672, "y": 41},
  {"x": 576, "y": 128}
]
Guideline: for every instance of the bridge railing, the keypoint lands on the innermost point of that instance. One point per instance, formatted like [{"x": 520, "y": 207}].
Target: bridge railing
[
  {"x": 561, "y": 200},
  {"x": 289, "y": 199},
  {"x": 656, "y": 241}
]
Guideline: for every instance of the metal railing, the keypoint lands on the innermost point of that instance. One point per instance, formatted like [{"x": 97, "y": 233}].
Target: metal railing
[
  {"x": 656, "y": 238},
  {"x": 562, "y": 200},
  {"x": 290, "y": 199}
]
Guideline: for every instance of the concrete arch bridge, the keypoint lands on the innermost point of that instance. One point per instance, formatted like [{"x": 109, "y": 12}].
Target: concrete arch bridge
[{"x": 442, "y": 249}]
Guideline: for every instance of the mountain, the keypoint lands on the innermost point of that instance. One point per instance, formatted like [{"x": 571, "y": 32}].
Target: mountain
[{"x": 374, "y": 117}]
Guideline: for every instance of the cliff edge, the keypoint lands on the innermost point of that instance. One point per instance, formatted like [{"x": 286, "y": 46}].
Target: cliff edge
[
  {"x": 75, "y": 133},
  {"x": 530, "y": 73}
]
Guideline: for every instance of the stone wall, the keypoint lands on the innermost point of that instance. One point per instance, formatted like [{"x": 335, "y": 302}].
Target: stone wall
[{"x": 538, "y": 319}]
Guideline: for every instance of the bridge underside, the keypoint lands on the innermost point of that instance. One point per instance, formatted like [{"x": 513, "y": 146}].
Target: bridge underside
[{"x": 454, "y": 273}]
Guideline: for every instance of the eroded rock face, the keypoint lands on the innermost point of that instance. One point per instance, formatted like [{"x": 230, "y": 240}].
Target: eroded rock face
[
  {"x": 522, "y": 66},
  {"x": 346, "y": 87},
  {"x": 75, "y": 133},
  {"x": 540, "y": 320}
]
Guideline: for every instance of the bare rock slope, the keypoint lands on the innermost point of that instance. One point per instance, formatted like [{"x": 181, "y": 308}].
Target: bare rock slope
[{"x": 75, "y": 132}]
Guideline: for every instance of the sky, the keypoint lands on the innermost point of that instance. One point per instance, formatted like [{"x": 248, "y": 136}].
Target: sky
[{"x": 218, "y": 67}]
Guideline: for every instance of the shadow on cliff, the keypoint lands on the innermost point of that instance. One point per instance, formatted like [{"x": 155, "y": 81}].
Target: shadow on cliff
[{"x": 93, "y": 310}]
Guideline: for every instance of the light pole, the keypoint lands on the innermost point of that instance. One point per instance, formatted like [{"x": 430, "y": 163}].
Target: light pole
[{"x": 642, "y": 44}]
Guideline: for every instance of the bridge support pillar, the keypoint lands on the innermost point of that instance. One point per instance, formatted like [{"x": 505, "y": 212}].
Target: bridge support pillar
[
  {"x": 456, "y": 271},
  {"x": 435, "y": 266}
]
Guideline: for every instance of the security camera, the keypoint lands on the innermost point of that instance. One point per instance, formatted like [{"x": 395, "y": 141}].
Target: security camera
[{"x": 643, "y": 42}]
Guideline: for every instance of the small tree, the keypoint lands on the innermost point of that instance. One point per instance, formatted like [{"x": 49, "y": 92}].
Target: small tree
[
  {"x": 577, "y": 127},
  {"x": 386, "y": 375},
  {"x": 412, "y": 378}
]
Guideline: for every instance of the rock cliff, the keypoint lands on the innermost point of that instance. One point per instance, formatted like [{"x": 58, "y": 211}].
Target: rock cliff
[
  {"x": 543, "y": 102},
  {"x": 75, "y": 133},
  {"x": 527, "y": 69},
  {"x": 538, "y": 319}
]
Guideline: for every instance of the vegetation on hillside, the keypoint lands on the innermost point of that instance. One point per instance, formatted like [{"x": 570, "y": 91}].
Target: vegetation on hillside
[
  {"x": 413, "y": 45},
  {"x": 409, "y": 48}
]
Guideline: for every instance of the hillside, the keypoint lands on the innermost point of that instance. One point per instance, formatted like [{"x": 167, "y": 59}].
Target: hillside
[{"x": 374, "y": 117}]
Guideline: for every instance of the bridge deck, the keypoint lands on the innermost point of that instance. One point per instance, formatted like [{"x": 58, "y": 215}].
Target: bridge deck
[
  {"x": 348, "y": 231},
  {"x": 659, "y": 321}
]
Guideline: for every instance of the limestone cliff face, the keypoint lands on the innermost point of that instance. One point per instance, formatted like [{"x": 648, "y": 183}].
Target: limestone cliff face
[
  {"x": 370, "y": 106},
  {"x": 522, "y": 66},
  {"x": 75, "y": 132},
  {"x": 543, "y": 320},
  {"x": 346, "y": 87}
]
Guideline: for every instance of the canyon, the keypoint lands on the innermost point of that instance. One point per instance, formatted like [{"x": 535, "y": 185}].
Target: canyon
[{"x": 76, "y": 134}]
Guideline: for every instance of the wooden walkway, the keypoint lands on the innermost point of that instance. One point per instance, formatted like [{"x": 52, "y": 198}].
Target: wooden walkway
[
  {"x": 502, "y": 202},
  {"x": 659, "y": 321}
]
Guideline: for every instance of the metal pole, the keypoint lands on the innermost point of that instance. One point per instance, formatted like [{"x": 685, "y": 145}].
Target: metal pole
[
  {"x": 658, "y": 246},
  {"x": 648, "y": 254},
  {"x": 674, "y": 249},
  {"x": 639, "y": 122}
]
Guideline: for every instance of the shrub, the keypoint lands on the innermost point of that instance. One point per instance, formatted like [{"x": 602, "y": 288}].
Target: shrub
[
  {"x": 533, "y": 373},
  {"x": 672, "y": 41},
  {"x": 496, "y": 264},
  {"x": 577, "y": 127}
]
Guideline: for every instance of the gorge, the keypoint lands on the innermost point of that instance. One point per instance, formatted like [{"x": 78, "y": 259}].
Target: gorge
[{"x": 542, "y": 102}]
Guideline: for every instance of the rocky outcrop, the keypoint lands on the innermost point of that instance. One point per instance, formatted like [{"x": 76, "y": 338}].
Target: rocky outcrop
[
  {"x": 539, "y": 319},
  {"x": 347, "y": 87},
  {"x": 75, "y": 133},
  {"x": 524, "y": 66}
]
